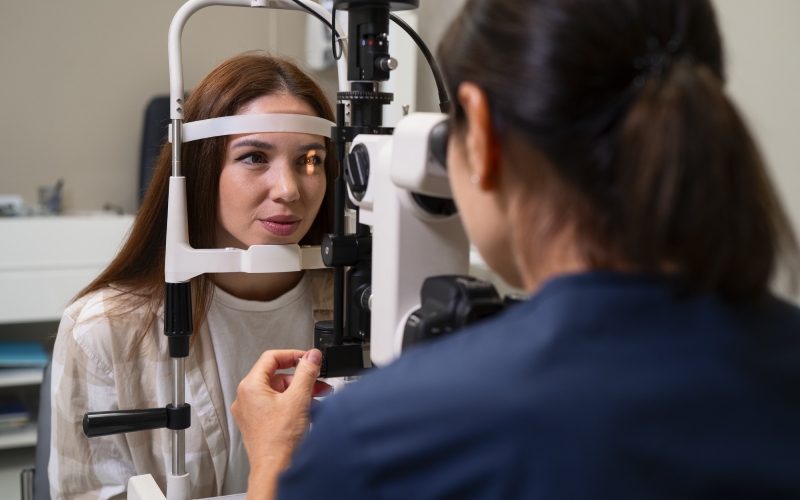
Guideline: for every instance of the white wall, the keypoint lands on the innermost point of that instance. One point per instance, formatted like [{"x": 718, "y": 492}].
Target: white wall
[
  {"x": 434, "y": 18},
  {"x": 76, "y": 75},
  {"x": 761, "y": 41}
]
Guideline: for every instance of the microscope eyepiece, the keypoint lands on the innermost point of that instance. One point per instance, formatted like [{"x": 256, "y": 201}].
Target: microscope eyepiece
[{"x": 437, "y": 142}]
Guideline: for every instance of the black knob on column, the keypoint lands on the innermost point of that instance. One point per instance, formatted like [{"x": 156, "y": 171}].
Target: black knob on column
[
  {"x": 356, "y": 168},
  {"x": 386, "y": 63}
]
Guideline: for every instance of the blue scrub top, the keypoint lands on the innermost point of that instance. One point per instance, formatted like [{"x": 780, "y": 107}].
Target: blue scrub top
[{"x": 602, "y": 385}]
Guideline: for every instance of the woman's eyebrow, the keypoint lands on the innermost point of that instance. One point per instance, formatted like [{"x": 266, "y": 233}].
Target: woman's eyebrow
[
  {"x": 311, "y": 146},
  {"x": 248, "y": 143}
]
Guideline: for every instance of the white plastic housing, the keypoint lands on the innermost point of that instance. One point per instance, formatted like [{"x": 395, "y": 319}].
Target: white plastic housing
[
  {"x": 415, "y": 169},
  {"x": 408, "y": 245},
  {"x": 183, "y": 262},
  {"x": 179, "y": 487},
  {"x": 144, "y": 488},
  {"x": 379, "y": 148}
]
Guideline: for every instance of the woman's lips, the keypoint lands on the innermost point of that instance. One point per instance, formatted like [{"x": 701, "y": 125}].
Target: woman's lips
[{"x": 280, "y": 227}]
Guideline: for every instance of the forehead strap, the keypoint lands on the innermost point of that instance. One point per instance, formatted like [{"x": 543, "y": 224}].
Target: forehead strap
[{"x": 254, "y": 124}]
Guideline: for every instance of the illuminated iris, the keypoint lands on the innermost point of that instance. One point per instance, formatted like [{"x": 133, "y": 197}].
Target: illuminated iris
[{"x": 311, "y": 162}]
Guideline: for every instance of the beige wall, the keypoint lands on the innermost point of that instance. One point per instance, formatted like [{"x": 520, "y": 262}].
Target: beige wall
[{"x": 76, "y": 75}]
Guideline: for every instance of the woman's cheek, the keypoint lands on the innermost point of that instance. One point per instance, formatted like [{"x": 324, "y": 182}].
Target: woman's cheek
[
  {"x": 227, "y": 189},
  {"x": 241, "y": 193},
  {"x": 315, "y": 189}
]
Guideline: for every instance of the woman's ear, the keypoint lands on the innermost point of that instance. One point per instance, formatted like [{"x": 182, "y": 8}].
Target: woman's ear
[{"x": 483, "y": 148}]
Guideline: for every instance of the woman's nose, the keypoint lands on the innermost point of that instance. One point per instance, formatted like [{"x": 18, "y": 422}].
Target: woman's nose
[{"x": 284, "y": 185}]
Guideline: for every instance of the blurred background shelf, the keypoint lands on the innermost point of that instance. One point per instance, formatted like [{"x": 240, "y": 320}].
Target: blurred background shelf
[
  {"x": 16, "y": 377},
  {"x": 18, "y": 438}
]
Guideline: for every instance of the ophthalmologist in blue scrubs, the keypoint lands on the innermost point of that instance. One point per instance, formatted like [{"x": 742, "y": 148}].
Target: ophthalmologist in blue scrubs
[{"x": 598, "y": 162}]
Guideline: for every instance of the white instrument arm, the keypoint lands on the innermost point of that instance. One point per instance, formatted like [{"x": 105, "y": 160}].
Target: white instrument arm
[{"x": 192, "y": 6}]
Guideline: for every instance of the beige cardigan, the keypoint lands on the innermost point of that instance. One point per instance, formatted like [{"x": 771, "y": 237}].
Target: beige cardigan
[{"x": 93, "y": 370}]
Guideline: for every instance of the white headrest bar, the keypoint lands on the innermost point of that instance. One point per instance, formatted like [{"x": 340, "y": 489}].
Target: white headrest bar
[{"x": 253, "y": 124}]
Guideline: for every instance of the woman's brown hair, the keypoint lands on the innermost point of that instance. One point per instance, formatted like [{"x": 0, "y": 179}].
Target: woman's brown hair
[
  {"x": 138, "y": 269},
  {"x": 624, "y": 98}
]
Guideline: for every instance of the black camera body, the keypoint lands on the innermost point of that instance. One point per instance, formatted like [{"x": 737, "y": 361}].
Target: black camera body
[{"x": 449, "y": 303}]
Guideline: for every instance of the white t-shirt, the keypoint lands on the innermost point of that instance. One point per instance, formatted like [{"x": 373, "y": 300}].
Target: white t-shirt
[{"x": 241, "y": 330}]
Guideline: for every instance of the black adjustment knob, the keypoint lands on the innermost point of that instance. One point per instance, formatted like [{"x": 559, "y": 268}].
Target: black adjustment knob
[
  {"x": 323, "y": 334},
  {"x": 346, "y": 250},
  {"x": 339, "y": 250},
  {"x": 386, "y": 63},
  {"x": 356, "y": 167}
]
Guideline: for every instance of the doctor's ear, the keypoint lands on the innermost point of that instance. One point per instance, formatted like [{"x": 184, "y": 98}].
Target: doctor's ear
[{"x": 480, "y": 141}]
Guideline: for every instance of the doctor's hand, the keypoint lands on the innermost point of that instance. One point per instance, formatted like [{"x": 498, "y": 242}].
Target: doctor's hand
[{"x": 272, "y": 412}]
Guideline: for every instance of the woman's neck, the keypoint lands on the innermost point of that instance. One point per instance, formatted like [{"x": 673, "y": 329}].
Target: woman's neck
[
  {"x": 560, "y": 258},
  {"x": 260, "y": 287},
  {"x": 543, "y": 245}
]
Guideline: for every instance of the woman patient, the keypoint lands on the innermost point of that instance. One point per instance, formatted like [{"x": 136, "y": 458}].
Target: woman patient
[{"x": 111, "y": 353}]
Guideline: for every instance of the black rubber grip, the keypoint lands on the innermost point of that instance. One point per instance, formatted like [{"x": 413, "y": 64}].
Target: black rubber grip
[
  {"x": 179, "y": 418},
  {"x": 106, "y": 423}
]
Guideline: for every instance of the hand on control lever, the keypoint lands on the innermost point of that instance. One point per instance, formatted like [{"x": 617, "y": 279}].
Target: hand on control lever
[{"x": 271, "y": 410}]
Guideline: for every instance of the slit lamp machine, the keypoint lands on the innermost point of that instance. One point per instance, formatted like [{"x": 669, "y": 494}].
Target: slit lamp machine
[{"x": 400, "y": 266}]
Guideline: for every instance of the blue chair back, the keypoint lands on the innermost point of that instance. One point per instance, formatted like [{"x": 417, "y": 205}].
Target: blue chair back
[{"x": 156, "y": 125}]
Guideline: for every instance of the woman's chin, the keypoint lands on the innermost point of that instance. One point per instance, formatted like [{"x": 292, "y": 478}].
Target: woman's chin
[
  {"x": 277, "y": 241},
  {"x": 271, "y": 239}
]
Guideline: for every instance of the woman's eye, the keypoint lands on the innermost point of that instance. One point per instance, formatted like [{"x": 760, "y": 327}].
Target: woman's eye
[
  {"x": 311, "y": 164},
  {"x": 252, "y": 159}
]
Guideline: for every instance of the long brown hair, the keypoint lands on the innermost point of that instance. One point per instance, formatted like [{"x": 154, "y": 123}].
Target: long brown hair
[
  {"x": 650, "y": 161},
  {"x": 137, "y": 271}
]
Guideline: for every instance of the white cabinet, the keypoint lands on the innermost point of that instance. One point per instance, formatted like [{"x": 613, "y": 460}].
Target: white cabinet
[{"x": 46, "y": 261}]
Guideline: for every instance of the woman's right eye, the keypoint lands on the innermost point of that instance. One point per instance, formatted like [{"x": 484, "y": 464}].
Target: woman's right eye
[{"x": 253, "y": 158}]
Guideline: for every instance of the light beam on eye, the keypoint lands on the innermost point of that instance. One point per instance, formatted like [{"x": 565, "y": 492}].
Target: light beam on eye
[{"x": 310, "y": 162}]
